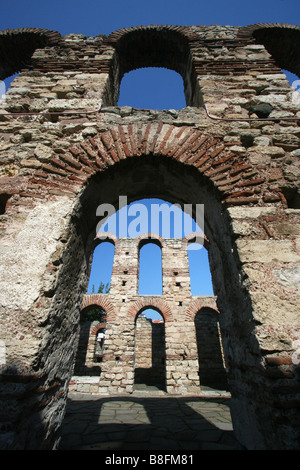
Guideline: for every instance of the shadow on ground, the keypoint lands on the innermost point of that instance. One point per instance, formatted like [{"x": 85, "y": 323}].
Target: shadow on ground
[{"x": 93, "y": 422}]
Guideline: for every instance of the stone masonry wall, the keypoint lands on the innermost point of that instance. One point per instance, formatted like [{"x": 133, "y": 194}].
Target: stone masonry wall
[
  {"x": 132, "y": 342},
  {"x": 234, "y": 148},
  {"x": 179, "y": 343}
]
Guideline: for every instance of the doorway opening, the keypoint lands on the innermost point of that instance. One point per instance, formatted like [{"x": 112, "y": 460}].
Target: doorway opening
[
  {"x": 90, "y": 341},
  {"x": 150, "y": 351},
  {"x": 212, "y": 370}
]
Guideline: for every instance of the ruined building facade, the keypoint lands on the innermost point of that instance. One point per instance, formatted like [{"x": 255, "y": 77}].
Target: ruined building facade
[
  {"x": 234, "y": 148},
  {"x": 177, "y": 355}
]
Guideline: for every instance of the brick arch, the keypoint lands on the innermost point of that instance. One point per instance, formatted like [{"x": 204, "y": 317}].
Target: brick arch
[
  {"x": 230, "y": 173},
  {"x": 280, "y": 40},
  {"x": 106, "y": 237},
  {"x": 247, "y": 31},
  {"x": 198, "y": 304},
  {"x": 194, "y": 236},
  {"x": 98, "y": 327},
  {"x": 166, "y": 46},
  {"x": 101, "y": 300},
  {"x": 186, "y": 32},
  {"x": 150, "y": 238},
  {"x": 150, "y": 302},
  {"x": 18, "y": 45}
]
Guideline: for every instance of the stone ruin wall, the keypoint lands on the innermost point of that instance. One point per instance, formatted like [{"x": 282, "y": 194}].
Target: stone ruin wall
[
  {"x": 205, "y": 362},
  {"x": 127, "y": 337},
  {"x": 241, "y": 161}
]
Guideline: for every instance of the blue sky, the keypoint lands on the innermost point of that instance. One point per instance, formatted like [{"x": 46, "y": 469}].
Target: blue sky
[
  {"x": 93, "y": 17},
  {"x": 174, "y": 223}
]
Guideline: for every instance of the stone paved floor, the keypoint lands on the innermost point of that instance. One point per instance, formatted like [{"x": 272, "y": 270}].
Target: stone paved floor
[{"x": 150, "y": 420}]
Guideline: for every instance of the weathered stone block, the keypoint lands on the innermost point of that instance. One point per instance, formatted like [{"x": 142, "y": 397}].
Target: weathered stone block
[{"x": 267, "y": 251}]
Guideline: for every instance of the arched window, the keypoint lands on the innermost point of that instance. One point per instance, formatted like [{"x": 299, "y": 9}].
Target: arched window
[
  {"x": 200, "y": 275},
  {"x": 150, "y": 269},
  {"x": 162, "y": 47},
  {"x": 101, "y": 269},
  {"x": 152, "y": 88}
]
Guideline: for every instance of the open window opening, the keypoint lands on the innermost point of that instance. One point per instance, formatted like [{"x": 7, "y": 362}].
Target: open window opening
[
  {"x": 152, "y": 88},
  {"x": 101, "y": 268},
  {"x": 157, "y": 48},
  {"x": 200, "y": 275},
  {"x": 150, "y": 269},
  {"x": 150, "y": 351}
]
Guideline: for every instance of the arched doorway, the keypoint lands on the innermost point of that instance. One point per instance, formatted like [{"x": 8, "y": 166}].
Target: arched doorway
[
  {"x": 149, "y": 173},
  {"x": 90, "y": 341},
  {"x": 149, "y": 351},
  {"x": 154, "y": 175}
]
